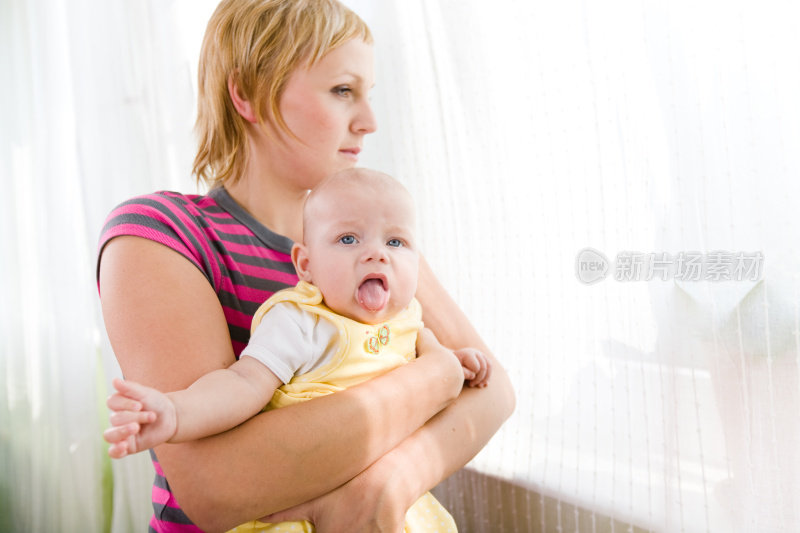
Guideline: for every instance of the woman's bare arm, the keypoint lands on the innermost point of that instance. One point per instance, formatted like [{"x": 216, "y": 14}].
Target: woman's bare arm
[
  {"x": 378, "y": 498},
  {"x": 456, "y": 434},
  {"x": 167, "y": 329}
]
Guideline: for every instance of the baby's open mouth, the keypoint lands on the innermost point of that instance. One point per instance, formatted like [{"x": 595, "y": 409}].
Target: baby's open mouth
[{"x": 373, "y": 293}]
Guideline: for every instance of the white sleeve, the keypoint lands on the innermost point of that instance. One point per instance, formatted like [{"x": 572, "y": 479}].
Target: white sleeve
[{"x": 290, "y": 341}]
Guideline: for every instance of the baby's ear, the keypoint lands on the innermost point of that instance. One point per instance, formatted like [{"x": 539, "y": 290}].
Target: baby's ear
[{"x": 301, "y": 262}]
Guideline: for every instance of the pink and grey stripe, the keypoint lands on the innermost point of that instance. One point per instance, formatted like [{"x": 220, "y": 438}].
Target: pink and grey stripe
[{"x": 243, "y": 261}]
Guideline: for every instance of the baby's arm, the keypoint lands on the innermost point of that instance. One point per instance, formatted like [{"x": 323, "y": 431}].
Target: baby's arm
[
  {"x": 477, "y": 367},
  {"x": 143, "y": 417}
]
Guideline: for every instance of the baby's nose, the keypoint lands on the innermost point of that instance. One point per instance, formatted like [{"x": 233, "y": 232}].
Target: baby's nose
[{"x": 376, "y": 253}]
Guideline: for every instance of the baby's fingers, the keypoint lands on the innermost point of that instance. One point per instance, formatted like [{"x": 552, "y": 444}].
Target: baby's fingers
[
  {"x": 118, "y": 402},
  {"x": 118, "y": 450},
  {"x": 116, "y": 434},
  {"x": 469, "y": 362},
  {"x": 483, "y": 373},
  {"x": 487, "y": 365},
  {"x": 120, "y": 418},
  {"x": 131, "y": 389}
]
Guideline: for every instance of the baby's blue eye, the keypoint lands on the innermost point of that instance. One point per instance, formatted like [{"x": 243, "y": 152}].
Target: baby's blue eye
[
  {"x": 347, "y": 239},
  {"x": 395, "y": 243}
]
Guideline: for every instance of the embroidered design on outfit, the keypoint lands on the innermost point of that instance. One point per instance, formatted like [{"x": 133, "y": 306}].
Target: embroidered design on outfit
[{"x": 375, "y": 342}]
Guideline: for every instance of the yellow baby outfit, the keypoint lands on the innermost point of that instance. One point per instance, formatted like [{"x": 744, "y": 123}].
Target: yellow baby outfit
[{"x": 364, "y": 351}]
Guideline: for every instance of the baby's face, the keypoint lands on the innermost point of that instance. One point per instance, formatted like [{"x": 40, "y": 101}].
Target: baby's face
[{"x": 361, "y": 252}]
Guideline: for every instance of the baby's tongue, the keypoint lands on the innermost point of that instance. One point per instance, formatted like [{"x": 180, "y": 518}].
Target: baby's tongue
[{"x": 372, "y": 295}]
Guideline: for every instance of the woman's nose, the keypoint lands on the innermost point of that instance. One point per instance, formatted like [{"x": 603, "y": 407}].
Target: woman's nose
[{"x": 364, "y": 122}]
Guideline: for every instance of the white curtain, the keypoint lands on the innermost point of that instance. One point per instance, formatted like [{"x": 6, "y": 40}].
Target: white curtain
[
  {"x": 527, "y": 131},
  {"x": 97, "y": 105}
]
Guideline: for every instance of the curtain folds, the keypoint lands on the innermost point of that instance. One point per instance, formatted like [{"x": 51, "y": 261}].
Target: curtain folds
[
  {"x": 97, "y": 106},
  {"x": 650, "y": 133}
]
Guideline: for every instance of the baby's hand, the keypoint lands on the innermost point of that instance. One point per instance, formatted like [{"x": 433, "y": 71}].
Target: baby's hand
[
  {"x": 476, "y": 366},
  {"x": 141, "y": 418}
]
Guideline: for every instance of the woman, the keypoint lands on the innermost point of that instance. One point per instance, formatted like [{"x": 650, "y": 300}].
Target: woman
[{"x": 283, "y": 102}]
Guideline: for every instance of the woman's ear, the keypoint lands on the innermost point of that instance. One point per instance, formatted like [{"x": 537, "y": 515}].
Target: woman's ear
[
  {"x": 301, "y": 262},
  {"x": 240, "y": 103}
]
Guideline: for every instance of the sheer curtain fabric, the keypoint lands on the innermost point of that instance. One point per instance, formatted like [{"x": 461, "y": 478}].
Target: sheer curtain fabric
[{"x": 527, "y": 132}]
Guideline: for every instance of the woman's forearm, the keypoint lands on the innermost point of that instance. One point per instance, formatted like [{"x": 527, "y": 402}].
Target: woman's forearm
[
  {"x": 386, "y": 489},
  {"x": 219, "y": 488},
  {"x": 449, "y": 440},
  {"x": 455, "y": 435}
]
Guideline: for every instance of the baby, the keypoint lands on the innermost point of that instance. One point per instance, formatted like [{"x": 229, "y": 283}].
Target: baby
[{"x": 352, "y": 316}]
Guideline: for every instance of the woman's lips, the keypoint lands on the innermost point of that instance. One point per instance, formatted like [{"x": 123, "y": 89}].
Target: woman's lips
[{"x": 350, "y": 153}]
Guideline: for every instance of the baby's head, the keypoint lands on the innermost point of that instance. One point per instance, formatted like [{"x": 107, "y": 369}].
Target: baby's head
[{"x": 358, "y": 245}]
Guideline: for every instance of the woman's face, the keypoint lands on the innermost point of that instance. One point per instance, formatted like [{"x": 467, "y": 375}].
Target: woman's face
[{"x": 327, "y": 108}]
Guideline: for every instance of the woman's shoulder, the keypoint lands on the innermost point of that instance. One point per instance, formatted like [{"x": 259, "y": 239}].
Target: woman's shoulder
[
  {"x": 164, "y": 202},
  {"x": 162, "y": 209},
  {"x": 210, "y": 230},
  {"x": 173, "y": 219}
]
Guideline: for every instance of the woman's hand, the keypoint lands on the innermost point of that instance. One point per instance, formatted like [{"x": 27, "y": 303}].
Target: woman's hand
[{"x": 374, "y": 501}]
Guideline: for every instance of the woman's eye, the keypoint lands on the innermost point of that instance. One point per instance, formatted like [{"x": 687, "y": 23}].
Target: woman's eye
[
  {"x": 395, "y": 243},
  {"x": 342, "y": 90},
  {"x": 347, "y": 239}
]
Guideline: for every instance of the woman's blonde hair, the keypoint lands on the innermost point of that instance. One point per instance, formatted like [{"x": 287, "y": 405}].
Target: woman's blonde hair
[{"x": 260, "y": 43}]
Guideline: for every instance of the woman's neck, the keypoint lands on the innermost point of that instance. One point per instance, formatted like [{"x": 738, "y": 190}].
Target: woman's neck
[
  {"x": 263, "y": 189},
  {"x": 279, "y": 209}
]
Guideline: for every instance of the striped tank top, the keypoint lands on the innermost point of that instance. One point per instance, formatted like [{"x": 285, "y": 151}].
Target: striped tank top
[{"x": 243, "y": 260}]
